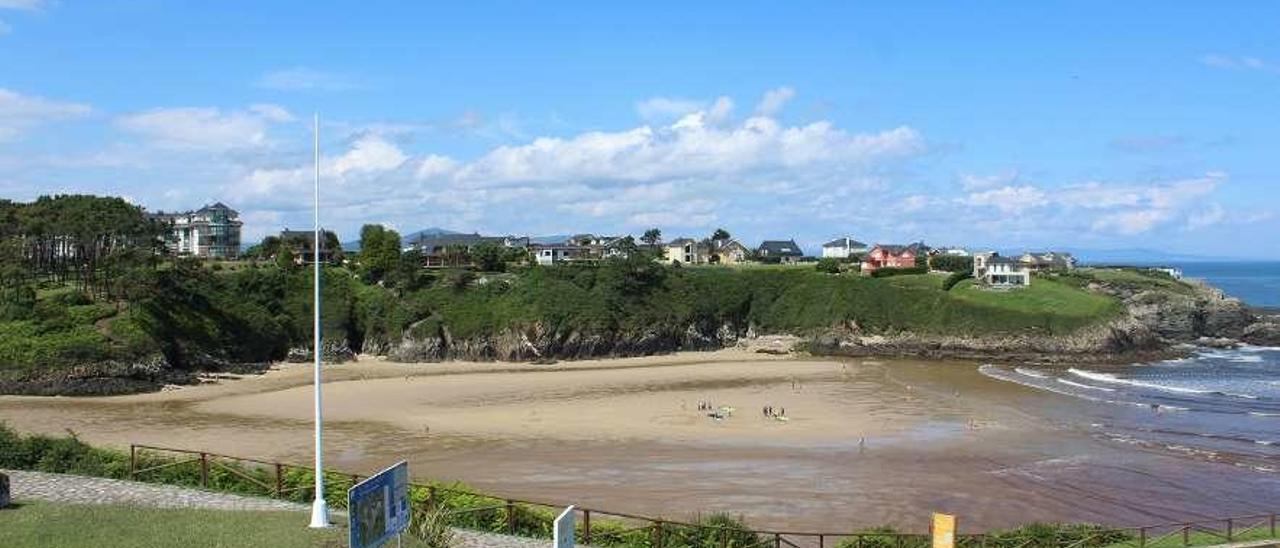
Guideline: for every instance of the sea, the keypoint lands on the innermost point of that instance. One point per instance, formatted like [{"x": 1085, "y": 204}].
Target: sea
[{"x": 1215, "y": 404}]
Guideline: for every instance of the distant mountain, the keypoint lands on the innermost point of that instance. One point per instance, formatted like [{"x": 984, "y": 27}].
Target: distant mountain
[
  {"x": 404, "y": 238},
  {"x": 552, "y": 239}
]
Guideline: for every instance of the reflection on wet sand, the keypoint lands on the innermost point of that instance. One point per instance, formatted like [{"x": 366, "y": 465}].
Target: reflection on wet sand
[{"x": 866, "y": 442}]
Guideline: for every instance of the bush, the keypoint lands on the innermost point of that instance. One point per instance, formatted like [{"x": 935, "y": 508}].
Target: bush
[
  {"x": 887, "y": 272},
  {"x": 951, "y": 263},
  {"x": 829, "y": 266},
  {"x": 955, "y": 278}
]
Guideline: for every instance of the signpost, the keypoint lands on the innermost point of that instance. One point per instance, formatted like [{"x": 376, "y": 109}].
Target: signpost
[
  {"x": 378, "y": 508},
  {"x": 944, "y": 530},
  {"x": 563, "y": 529}
]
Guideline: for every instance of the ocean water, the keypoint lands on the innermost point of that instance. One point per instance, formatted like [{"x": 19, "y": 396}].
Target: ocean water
[
  {"x": 1256, "y": 283},
  {"x": 1219, "y": 405}
]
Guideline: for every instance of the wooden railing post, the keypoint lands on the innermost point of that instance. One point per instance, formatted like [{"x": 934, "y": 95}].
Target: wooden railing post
[
  {"x": 586, "y": 527},
  {"x": 777, "y": 540},
  {"x": 431, "y": 496},
  {"x": 279, "y": 480},
  {"x": 724, "y": 537},
  {"x": 1230, "y": 522},
  {"x": 204, "y": 470},
  {"x": 133, "y": 461},
  {"x": 1186, "y": 535},
  {"x": 822, "y": 541},
  {"x": 1273, "y": 525},
  {"x": 1142, "y": 537},
  {"x": 511, "y": 517},
  {"x": 657, "y": 534}
]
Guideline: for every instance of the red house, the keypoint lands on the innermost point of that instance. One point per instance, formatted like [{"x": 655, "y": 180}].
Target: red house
[{"x": 890, "y": 256}]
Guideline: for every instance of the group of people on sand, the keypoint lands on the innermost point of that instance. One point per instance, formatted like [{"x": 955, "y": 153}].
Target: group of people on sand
[{"x": 772, "y": 413}]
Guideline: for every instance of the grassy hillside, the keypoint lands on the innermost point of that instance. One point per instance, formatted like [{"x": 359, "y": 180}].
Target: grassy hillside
[{"x": 197, "y": 318}]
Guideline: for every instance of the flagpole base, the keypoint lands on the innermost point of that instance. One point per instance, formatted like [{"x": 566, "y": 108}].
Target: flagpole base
[{"x": 320, "y": 515}]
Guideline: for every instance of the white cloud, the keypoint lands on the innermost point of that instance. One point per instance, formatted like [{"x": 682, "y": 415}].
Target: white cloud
[
  {"x": 19, "y": 113},
  {"x": 1131, "y": 222},
  {"x": 691, "y": 147},
  {"x": 203, "y": 128},
  {"x": 774, "y": 100},
  {"x": 369, "y": 154},
  {"x": 1008, "y": 199},
  {"x": 1238, "y": 62},
  {"x": 305, "y": 79},
  {"x": 667, "y": 108},
  {"x": 1124, "y": 208},
  {"x": 368, "y": 157},
  {"x": 978, "y": 182}
]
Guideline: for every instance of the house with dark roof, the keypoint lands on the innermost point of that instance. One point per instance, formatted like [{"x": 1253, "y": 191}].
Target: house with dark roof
[
  {"x": 455, "y": 249},
  {"x": 843, "y": 248},
  {"x": 1048, "y": 260},
  {"x": 786, "y": 251}
]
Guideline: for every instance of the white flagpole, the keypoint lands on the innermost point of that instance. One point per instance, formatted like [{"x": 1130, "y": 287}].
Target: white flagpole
[{"x": 319, "y": 508}]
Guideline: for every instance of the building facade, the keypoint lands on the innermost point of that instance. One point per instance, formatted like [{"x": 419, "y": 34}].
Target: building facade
[
  {"x": 843, "y": 248},
  {"x": 996, "y": 271},
  {"x": 211, "y": 232},
  {"x": 889, "y": 256}
]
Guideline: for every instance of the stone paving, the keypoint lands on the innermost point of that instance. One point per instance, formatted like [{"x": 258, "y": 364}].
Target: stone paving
[{"x": 89, "y": 490}]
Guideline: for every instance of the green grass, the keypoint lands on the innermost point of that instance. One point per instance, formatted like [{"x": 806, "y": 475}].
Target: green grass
[
  {"x": 917, "y": 281},
  {"x": 102, "y": 526},
  {"x": 1042, "y": 296}
]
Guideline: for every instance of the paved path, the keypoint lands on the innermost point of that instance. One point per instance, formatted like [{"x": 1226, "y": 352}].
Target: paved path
[{"x": 88, "y": 490}]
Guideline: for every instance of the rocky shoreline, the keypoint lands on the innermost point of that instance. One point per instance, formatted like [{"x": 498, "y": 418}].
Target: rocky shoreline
[{"x": 1155, "y": 324}]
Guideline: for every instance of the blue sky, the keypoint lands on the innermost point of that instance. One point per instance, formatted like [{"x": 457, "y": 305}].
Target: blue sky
[{"x": 1033, "y": 124}]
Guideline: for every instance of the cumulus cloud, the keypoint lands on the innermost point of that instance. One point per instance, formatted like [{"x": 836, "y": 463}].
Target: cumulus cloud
[
  {"x": 305, "y": 79},
  {"x": 690, "y": 147},
  {"x": 19, "y": 113},
  {"x": 367, "y": 157},
  {"x": 774, "y": 100},
  {"x": 204, "y": 128},
  {"x": 667, "y": 108}
]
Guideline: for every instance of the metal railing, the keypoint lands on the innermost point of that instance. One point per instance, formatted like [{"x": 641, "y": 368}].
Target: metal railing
[{"x": 610, "y": 528}]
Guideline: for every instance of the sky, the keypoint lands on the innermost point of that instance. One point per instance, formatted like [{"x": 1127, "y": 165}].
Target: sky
[{"x": 1082, "y": 125}]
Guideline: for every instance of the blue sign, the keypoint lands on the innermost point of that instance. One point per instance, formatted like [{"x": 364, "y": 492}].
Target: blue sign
[{"x": 378, "y": 508}]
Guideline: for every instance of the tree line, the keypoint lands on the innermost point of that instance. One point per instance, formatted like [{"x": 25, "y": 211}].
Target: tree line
[{"x": 93, "y": 242}]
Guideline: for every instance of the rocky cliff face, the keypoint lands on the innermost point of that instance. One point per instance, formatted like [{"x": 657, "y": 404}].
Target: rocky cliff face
[{"x": 539, "y": 342}]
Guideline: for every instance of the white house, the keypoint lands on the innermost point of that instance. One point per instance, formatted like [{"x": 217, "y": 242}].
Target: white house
[
  {"x": 996, "y": 271},
  {"x": 549, "y": 254},
  {"x": 843, "y": 248}
]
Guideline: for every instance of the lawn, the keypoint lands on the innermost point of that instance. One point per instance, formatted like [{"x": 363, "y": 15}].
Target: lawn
[
  {"x": 918, "y": 281},
  {"x": 1043, "y": 296},
  {"x": 101, "y": 526}
]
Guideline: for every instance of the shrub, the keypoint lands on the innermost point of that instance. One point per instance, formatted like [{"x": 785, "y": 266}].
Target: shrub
[
  {"x": 829, "y": 266},
  {"x": 955, "y": 278},
  {"x": 951, "y": 263},
  {"x": 887, "y": 272}
]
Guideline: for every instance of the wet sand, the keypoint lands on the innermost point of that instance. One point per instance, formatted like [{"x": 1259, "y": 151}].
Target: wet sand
[{"x": 627, "y": 435}]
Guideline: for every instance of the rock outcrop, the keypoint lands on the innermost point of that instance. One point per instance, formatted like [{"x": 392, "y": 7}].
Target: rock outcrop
[{"x": 432, "y": 342}]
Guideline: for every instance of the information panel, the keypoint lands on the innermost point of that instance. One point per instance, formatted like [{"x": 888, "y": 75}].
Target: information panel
[{"x": 378, "y": 508}]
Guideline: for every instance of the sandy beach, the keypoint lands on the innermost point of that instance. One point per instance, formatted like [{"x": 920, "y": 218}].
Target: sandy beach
[{"x": 865, "y": 441}]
